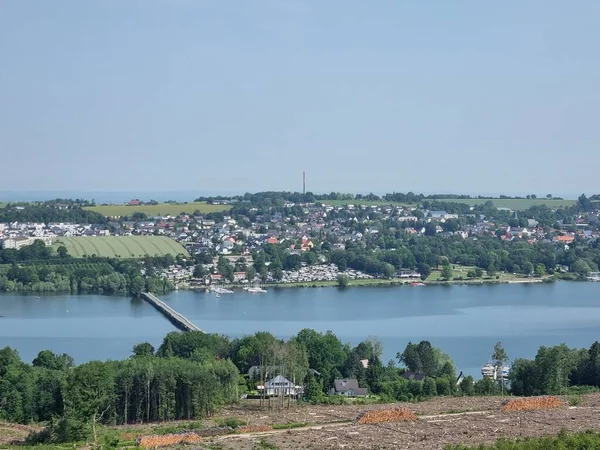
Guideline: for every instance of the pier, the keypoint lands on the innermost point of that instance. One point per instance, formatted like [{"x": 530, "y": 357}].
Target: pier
[{"x": 176, "y": 319}]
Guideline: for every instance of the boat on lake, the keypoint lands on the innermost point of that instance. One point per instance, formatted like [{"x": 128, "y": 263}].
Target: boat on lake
[
  {"x": 222, "y": 291},
  {"x": 255, "y": 290}
]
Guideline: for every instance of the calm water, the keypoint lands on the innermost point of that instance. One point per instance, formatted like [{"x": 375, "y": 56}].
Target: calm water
[{"x": 465, "y": 321}]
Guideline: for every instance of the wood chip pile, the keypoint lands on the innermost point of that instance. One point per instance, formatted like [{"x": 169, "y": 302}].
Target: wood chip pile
[
  {"x": 253, "y": 429},
  {"x": 168, "y": 440},
  {"x": 385, "y": 415},
  {"x": 531, "y": 403}
]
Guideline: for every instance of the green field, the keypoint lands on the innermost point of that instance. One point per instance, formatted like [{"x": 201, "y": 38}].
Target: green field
[
  {"x": 515, "y": 203},
  {"x": 162, "y": 209},
  {"x": 511, "y": 203},
  {"x": 121, "y": 246}
]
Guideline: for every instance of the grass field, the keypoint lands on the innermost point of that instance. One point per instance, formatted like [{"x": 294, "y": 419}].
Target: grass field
[
  {"x": 121, "y": 246},
  {"x": 512, "y": 203},
  {"x": 162, "y": 209},
  {"x": 515, "y": 203}
]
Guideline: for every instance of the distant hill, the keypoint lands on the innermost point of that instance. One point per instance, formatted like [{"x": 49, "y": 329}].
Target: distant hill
[{"x": 121, "y": 246}]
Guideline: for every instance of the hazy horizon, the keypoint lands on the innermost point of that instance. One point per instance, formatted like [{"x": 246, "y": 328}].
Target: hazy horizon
[
  {"x": 188, "y": 196},
  {"x": 233, "y": 97}
]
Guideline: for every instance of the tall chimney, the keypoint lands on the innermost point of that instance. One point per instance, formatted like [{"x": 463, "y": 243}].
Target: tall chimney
[{"x": 304, "y": 182}]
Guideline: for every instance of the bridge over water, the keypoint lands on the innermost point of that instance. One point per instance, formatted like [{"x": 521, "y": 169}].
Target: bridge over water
[{"x": 179, "y": 320}]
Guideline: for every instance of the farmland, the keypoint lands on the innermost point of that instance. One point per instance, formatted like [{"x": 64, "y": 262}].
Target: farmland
[
  {"x": 510, "y": 203},
  {"x": 121, "y": 246},
  {"x": 162, "y": 209},
  {"x": 516, "y": 203}
]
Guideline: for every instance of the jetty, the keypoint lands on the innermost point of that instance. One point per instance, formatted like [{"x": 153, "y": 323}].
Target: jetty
[{"x": 179, "y": 320}]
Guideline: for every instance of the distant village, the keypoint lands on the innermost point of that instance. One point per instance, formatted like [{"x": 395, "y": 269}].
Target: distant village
[{"x": 299, "y": 230}]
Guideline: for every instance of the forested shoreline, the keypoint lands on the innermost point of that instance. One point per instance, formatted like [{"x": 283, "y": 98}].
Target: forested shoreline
[
  {"x": 38, "y": 268},
  {"x": 191, "y": 375}
]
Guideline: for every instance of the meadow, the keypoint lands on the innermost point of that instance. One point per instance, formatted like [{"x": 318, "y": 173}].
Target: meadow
[
  {"x": 517, "y": 204},
  {"x": 121, "y": 246},
  {"x": 162, "y": 209}
]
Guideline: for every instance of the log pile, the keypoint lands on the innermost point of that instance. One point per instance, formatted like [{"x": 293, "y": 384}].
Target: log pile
[
  {"x": 167, "y": 440},
  {"x": 531, "y": 403},
  {"x": 385, "y": 415}
]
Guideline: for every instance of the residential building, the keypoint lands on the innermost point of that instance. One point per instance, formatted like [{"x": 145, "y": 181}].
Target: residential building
[{"x": 348, "y": 387}]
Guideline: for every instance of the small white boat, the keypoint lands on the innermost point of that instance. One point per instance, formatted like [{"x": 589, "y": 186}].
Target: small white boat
[
  {"x": 256, "y": 290},
  {"x": 218, "y": 296},
  {"x": 222, "y": 291}
]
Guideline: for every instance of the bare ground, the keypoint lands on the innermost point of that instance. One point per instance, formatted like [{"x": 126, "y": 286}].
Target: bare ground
[{"x": 440, "y": 422}]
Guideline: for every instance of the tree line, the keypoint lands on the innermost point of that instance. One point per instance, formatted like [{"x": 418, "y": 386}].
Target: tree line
[
  {"x": 51, "y": 211},
  {"x": 38, "y": 268},
  {"x": 192, "y": 374}
]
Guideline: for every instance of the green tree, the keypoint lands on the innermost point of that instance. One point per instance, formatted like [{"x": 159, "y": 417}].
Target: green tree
[
  {"x": 447, "y": 272},
  {"x": 314, "y": 388},
  {"x": 89, "y": 395},
  {"x": 429, "y": 387},
  {"x": 485, "y": 386},
  {"x": 52, "y": 361},
  {"x": 199, "y": 271},
  {"x": 424, "y": 269},
  {"x": 500, "y": 358},
  {"x": 466, "y": 386},
  {"x": 343, "y": 281},
  {"x": 540, "y": 270},
  {"x": 143, "y": 349}
]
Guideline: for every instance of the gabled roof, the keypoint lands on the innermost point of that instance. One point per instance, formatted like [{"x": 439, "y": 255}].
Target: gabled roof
[
  {"x": 348, "y": 384},
  {"x": 413, "y": 376},
  {"x": 278, "y": 381}
]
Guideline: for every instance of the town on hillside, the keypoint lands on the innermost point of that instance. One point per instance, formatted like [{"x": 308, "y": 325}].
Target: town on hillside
[{"x": 296, "y": 238}]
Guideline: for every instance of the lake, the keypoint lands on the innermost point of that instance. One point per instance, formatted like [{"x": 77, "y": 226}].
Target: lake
[{"x": 464, "y": 321}]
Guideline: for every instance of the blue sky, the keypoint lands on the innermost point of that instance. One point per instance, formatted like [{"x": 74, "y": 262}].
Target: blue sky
[{"x": 236, "y": 96}]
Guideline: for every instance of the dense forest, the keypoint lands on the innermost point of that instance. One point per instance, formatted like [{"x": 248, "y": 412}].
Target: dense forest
[{"x": 192, "y": 374}]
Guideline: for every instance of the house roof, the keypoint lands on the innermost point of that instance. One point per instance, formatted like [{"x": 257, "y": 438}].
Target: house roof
[
  {"x": 278, "y": 381},
  {"x": 349, "y": 384},
  {"x": 413, "y": 376}
]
